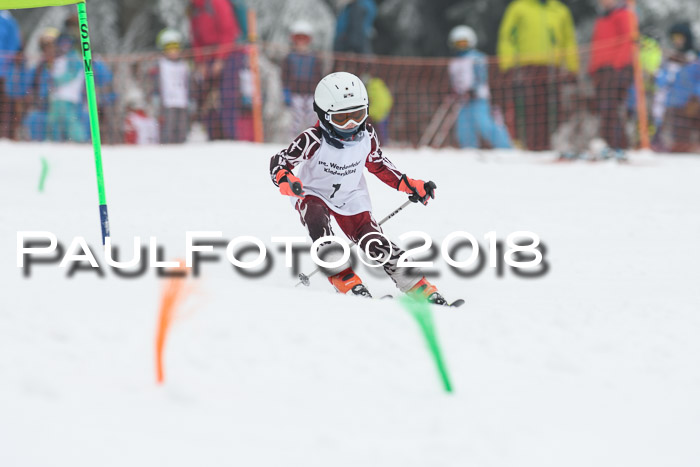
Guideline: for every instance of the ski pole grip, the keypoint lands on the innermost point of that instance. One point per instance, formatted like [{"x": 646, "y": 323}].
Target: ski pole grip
[{"x": 296, "y": 188}]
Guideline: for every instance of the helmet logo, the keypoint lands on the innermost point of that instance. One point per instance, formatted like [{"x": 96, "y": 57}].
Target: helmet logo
[{"x": 345, "y": 96}]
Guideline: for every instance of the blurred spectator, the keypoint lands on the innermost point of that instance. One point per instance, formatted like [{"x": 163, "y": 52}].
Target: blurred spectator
[
  {"x": 469, "y": 79},
  {"x": 214, "y": 27},
  {"x": 106, "y": 102},
  {"x": 577, "y": 137},
  {"x": 66, "y": 95},
  {"x": 353, "y": 31},
  {"x": 237, "y": 97},
  {"x": 9, "y": 45},
  {"x": 240, "y": 11},
  {"x": 139, "y": 127},
  {"x": 38, "y": 86},
  {"x": 71, "y": 27},
  {"x": 380, "y": 103},
  {"x": 650, "y": 57},
  {"x": 172, "y": 76},
  {"x": 611, "y": 69},
  {"x": 106, "y": 97},
  {"x": 678, "y": 88},
  {"x": 16, "y": 83},
  {"x": 683, "y": 111},
  {"x": 536, "y": 51},
  {"x": 301, "y": 71}
]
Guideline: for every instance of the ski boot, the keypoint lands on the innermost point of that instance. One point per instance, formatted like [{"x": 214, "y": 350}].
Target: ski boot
[
  {"x": 427, "y": 291},
  {"x": 347, "y": 281}
]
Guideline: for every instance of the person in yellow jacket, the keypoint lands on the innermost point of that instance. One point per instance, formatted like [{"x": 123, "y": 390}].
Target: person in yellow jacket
[
  {"x": 537, "y": 52},
  {"x": 380, "y": 103}
]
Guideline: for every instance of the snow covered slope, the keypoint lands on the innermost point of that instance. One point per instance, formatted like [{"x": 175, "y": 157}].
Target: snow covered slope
[{"x": 595, "y": 363}]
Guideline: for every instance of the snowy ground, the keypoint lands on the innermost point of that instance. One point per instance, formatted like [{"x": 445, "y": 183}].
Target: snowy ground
[{"x": 596, "y": 363}]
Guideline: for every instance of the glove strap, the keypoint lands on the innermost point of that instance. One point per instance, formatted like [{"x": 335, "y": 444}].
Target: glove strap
[{"x": 281, "y": 176}]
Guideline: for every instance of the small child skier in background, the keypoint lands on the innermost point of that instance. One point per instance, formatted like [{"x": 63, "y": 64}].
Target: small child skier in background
[
  {"x": 470, "y": 81},
  {"x": 139, "y": 127},
  {"x": 172, "y": 76},
  {"x": 301, "y": 71},
  {"x": 331, "y": 158}
]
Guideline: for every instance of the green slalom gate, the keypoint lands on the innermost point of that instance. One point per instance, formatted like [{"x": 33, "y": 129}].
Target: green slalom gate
[{"x": 89, "y": 86}]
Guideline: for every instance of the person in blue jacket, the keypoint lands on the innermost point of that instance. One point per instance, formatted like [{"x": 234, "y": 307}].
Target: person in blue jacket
[
  {"x": 67, "y": 93},
  {"x": 16, "y": 83},
  {"x": 301, "y": 71},
  {"x": 677, "y": 99},
  {"x": 683, "y": 109},
  {"x": 9, "y": 45},
  {"x": 353, "y": 31},
  {"x": 35, "y": 122},
  {"x": 106, "y": 100},
  {"x": 468, "y": 71}
]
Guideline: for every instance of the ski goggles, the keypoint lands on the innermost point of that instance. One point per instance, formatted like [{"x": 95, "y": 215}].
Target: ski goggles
[
  {"x": 348, "y": 118},
  {"x": 171, "y": 46},
  {"x": 461, "y": 44}
]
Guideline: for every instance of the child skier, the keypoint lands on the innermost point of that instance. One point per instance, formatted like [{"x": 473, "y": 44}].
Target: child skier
[
  {"x": 173, "y": 77},
  {"x": 333, "y": 155},
  {"x": 470, "y": 82}
]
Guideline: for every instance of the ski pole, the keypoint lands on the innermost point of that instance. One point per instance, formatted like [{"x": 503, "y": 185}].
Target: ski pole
[{"x": 304, "y": 278}]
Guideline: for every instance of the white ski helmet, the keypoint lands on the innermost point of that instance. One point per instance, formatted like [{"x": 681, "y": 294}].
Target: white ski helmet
[
  {"x": 342, "y": 105},
  {"x": 462, "y": 33},
  {"x": 168, "y": 36},
  {"x": 135, "y": 99},
  {"x": 301, "y": 28}
]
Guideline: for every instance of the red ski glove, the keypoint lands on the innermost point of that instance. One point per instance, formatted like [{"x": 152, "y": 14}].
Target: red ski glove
[
  {"x": 417, "y": 189},
  {"x": 289, "y": 184}
]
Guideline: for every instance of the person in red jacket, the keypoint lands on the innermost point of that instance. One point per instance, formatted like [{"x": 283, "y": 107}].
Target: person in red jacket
[
  {"x": 611, "y": 69},
  {"x": 215, "y": 30}
]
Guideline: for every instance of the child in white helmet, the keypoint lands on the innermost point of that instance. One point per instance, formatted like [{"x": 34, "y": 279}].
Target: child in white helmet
[
  {"x": 173, "y": 85},
  {"x": 330, "y": 159},
  {"x": 469, "y": 78}
]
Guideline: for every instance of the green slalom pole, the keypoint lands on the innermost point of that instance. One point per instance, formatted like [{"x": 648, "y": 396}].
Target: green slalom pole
[
  {"x": 420, "y": 310},
  {"x": 89, "y": 85},
  {"x": 94, "y": 119}
]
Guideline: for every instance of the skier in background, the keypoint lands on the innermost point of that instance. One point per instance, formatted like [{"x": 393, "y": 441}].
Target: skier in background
[
  {"x": 172, "y": 82},
  {"x": 331, "y": 158},
  {"x": 301, "y": 71},
  {"x": 470, "y": 81}
]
